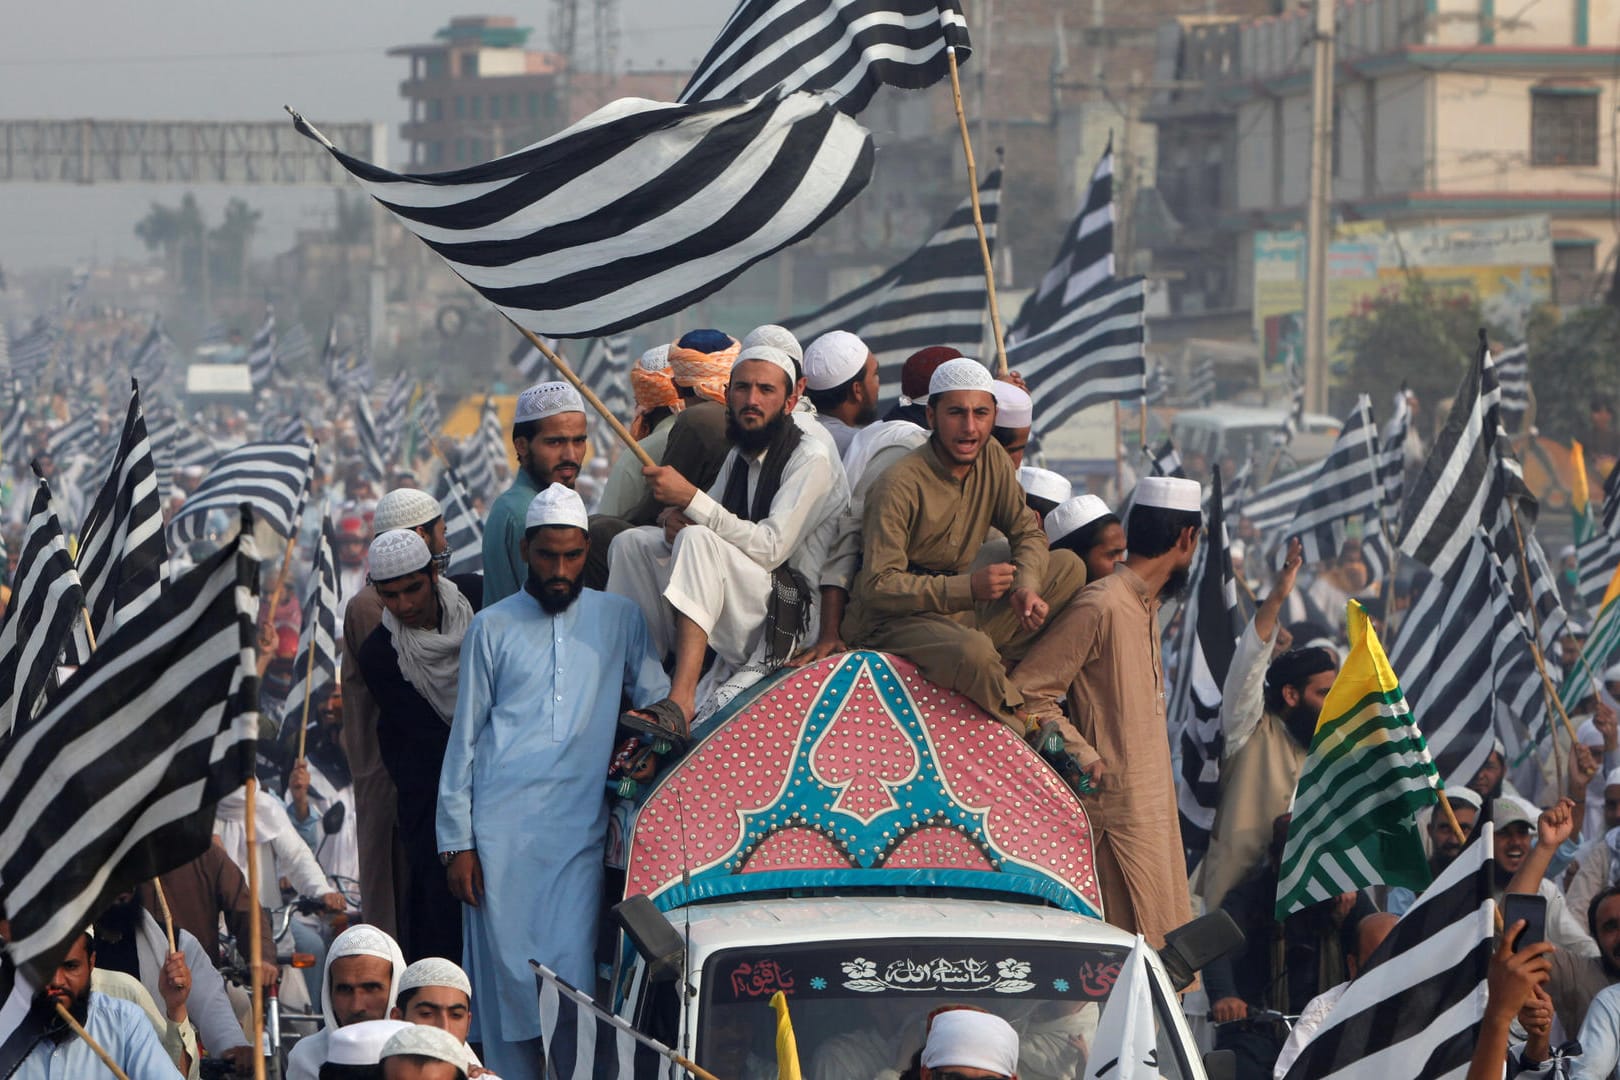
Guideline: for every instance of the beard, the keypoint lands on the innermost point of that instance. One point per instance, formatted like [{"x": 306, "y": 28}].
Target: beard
[
  {"x": 1175, "y": 585},
  {"x": 1301, "y": 724},
  {"x": 554, "y": 601},
  {"x": 752, "y": 442},
  {"x": 58, "y": 1030}
]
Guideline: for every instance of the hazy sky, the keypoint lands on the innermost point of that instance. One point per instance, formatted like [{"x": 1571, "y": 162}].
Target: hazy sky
[{"x": 238, "y": 60}]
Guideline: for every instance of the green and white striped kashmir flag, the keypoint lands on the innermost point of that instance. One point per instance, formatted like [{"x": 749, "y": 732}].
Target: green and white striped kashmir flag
[{"x": 1367, "y": 775}]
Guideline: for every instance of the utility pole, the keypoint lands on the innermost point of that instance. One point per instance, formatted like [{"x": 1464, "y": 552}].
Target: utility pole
[{"x": 1318, "y": 207}]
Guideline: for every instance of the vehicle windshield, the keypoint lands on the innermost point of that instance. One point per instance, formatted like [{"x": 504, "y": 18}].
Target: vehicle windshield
[{"x": 859, "y": 1008}]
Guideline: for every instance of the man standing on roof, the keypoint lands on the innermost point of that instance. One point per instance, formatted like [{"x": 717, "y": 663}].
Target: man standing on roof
[
  {"x": 549, "y": 436},
  {"x": 521, "y": 814},
  {"x": 1104, "y": 651}
]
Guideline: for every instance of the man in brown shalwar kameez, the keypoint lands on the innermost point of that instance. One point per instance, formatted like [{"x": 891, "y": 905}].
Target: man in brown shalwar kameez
[{"x": 1103, "y": 650}]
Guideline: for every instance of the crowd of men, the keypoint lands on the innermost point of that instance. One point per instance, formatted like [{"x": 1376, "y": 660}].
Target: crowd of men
[{"x": 784, "y": 521}]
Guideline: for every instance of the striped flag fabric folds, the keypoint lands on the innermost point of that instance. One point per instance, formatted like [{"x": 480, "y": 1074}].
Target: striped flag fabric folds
[
  {"x": 151, "y": 357},
  {"x": 270, "y": 477},
  {"x": 606, "y": 370},
  {"x": 21, "y": 1025},
  {"x": 13, "y": 420},
  {"x": 462, "y": 529},
  {"x": 583, "y": 1042},
  {"x": 1365, "y": 777},
  {"x": 370, "y": 439},
  {"x": 1417, "y": 1008},
  {"x": 638, "y": 211},
  {"x": 1598, "y": 555},
  {"x": 46, "y": 599},
  {"x": 1093, "y": 355},
  {"x": 31, "y": 353},
  {"x": 1513, "y": 377},
  {"x": 393, "y": 420},
  {"x": 1346, "y": 487},
  {"x": 123, "y": 560},
  {"x": 847, "y": 47},
  {"x": 1085, "y": 259},
  {"x": 261, "y": 357},
  {"x": 530, "y": 363},
  {"x": 1200, "y": 389},
  {"x": 484, "y": 457},
  {"x": 935, "y": 296},
  {"x": 117, "y": 781},
  {"x": 77, "y": 436},
  {"x": 315, "y": 666}
]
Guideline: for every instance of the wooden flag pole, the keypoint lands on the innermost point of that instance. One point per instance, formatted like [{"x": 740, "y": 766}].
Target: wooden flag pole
[
  {"x": 691, "y": 1067},
  {"x": 1451, "y": 818},
  {"x": 589, "y": 395},
  {"x": 168, "y": 918},
  {"x": 281, "y": 576},
  {"x": 309, "y": 686},
  {"x": 978, "y": 219},
  {"x": 78, "y": 1029},
  {"x": 255, "y": 941}
]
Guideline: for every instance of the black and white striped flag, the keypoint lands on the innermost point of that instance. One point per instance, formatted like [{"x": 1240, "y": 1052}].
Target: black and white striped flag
[
  {"x": 1513, "y": 377},
  {"x": 76, "y": 437},
  {"x": 583, "y": 1042},
  {"x": 123, "y": 561},
  {"x": 270, "y": 477},
  {"x": 1417, "y": 1008},
  {"x": 1599, "y": 553},
  {"x": 13, "y": 421},
  {"x": 1272, "y": 507},
  {"x": 1210, "y": 629},
  {"x": 589, "y": 233},
  {"x": 370, "y": 439},
  {"x": 529, "y": 361},
  {"x": 1470, "y": 477},
  {"x": 606, "y": 370},
  {"x": 117, "y": 781},
  {"x": 847, "y": 47},
  {"x": 1085, "y": 260},
  {"x": 483, "y": 461},
  {"x": 176, "y": 446},
  {"x": 1346, "y": 489},
  {"x": 294, "y": 347},
  {"x": 316, "y": 665},
  {"x": 46, "y": 600},
  {"x": 935, "y": 296},
  {"x": 31, "y": 353},
  {"x": 1161, "y": 384},
  {"x": 151, "y": 357},
  {"x": 261, "y": 357},
  {"x": 462, "y": 529},
  {"x": 1200, "y": 389},
  {"x": 1092, "y": 356},
  {"x": 1292, "y": 424},
  {"x": 395, "y": 417}
]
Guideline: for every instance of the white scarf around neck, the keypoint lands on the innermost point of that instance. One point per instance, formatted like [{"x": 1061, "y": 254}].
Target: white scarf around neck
[{"x": 431, "y": 660}]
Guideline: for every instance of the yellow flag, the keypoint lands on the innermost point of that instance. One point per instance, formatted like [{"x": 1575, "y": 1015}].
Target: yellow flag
[
  {"x": 787, "y": 1047},
  {"x": 1580, "y": 498},
  {"x": 1612, "y": 591}
]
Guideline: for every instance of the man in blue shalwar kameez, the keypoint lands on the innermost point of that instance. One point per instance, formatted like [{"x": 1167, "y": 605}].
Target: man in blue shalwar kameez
[{"x": 522, "y": 815}]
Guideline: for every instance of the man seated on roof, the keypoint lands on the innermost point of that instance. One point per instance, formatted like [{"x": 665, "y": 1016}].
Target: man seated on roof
[
  {"x": 925, "y": 520},
  {"x": 733, "y": 568},
  {"x": 699, "y": 364}
]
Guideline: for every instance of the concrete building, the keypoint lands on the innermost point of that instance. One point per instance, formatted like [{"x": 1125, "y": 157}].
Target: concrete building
[{"x": 1448, "y": 114}]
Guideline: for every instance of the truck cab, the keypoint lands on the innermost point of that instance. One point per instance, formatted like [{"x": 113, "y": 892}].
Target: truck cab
[{"x": 874, "y": 847}]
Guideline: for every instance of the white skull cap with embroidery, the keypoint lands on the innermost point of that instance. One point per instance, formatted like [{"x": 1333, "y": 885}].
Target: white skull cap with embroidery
[
  {"x": 363, "y": 1043},
  {"x": 435, "y": 971},
  {"x": 1044, "y": 484},
  {"x": 962, "y": 373},
  {"x": 655, "y": 358},
  {"x": 1467, "y": 796},
  {"x": 547, "y": 399},
  {"x": 1169, "y": 493},
  {"x": 557, "y": 505},
  {"x": 405, "y": 508},
  {"x": 423, "y": 1040},
  {"x": 1072, "y": 514},
  {"x": 771, "y": 355},
  {"x": 397, "y": 553},
  {"x": 1014, "y": 409},
  {"x": 833, "y": 359},
  {"x": 777, "y": 336},
  {"x": 969, "y": 1039}
]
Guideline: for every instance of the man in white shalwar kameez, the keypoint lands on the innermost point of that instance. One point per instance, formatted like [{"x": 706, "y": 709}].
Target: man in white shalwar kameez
[
  {"x": 522, "y": 813},
  {"x": 705, "y": 580}
]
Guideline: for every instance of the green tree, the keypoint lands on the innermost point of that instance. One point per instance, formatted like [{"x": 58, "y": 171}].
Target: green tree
[
  {"x": 228, "y": 242},
  {"x": 1414, "y": 336},
  {"x": 1571, "y": 360},
  {"x": 179, "y": 233}
]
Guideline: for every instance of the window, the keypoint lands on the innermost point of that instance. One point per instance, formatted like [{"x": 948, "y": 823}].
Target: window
[
  {"x": 495, "y": 106},
  {"x": 477, "y": 107},
  {"x": 1564, "y": 125},
  {"x": 1574, "y": 265}
]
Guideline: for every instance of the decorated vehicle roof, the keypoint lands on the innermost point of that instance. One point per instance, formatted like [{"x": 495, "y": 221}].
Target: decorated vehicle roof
[{"x": 856, "y": 773}]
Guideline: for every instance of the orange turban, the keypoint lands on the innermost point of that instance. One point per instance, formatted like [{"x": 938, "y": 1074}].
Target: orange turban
[
  {"x": 702, "y": 360},
  {"x": 654, "y": 388}
]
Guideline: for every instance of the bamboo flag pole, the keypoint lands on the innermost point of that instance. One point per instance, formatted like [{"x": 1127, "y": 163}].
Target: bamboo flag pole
[
  {"x": 978, "y": 219},
  {"x": 691, "y": 1067},
  {"x": 78, "y": 1029},
  {"x": 588, "y": 394},
  {"x": 255, "y": 941},
  {"x": 309, "y": 686},
  {"x": 168, "y": 918}
]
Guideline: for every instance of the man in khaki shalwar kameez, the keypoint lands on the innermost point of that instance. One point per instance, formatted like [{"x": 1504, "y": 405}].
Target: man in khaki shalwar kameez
[
  {"x": 925, "y": 519},
  {"x": 1104, "y": 651}
]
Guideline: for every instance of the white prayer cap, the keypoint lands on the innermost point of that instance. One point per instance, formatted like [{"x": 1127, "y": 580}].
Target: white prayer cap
[
  {"x": 771, "y": 355},
  {"x": 1612, "y": 779},
  {"x": 1073, "y": 514},
  {"x": 1588, "y": 734},
  {"x": 423, "y": 1040},
  {"x": 1566, "y": 551},
  {"x": 1464, "y": 795},
  {"x": 833, "y": 359},
  {"x": 1169, "y": 493},
  {"x": 1613, "y": 674},
  {"x": 396, "y": 553},
  {"x": 557, "y": 505},
  {"x": 1508, "y": 810},
  {"x": 435, "y": 971},
  {"x": 547, "y": 399},
  {"x": 1014, "y": 409},
  {"x": 779, "y": 337},
  {"x": 969, "y": 1039},
  {"x": 1574, "y": 629},
  {"x": 362, "y": 1043},
  {"x": 405, "y": 508},
  {"x": 1044, "y": 484},
  {"x": 962, "y": 373},
  {"x": 655, "y": 358}
]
